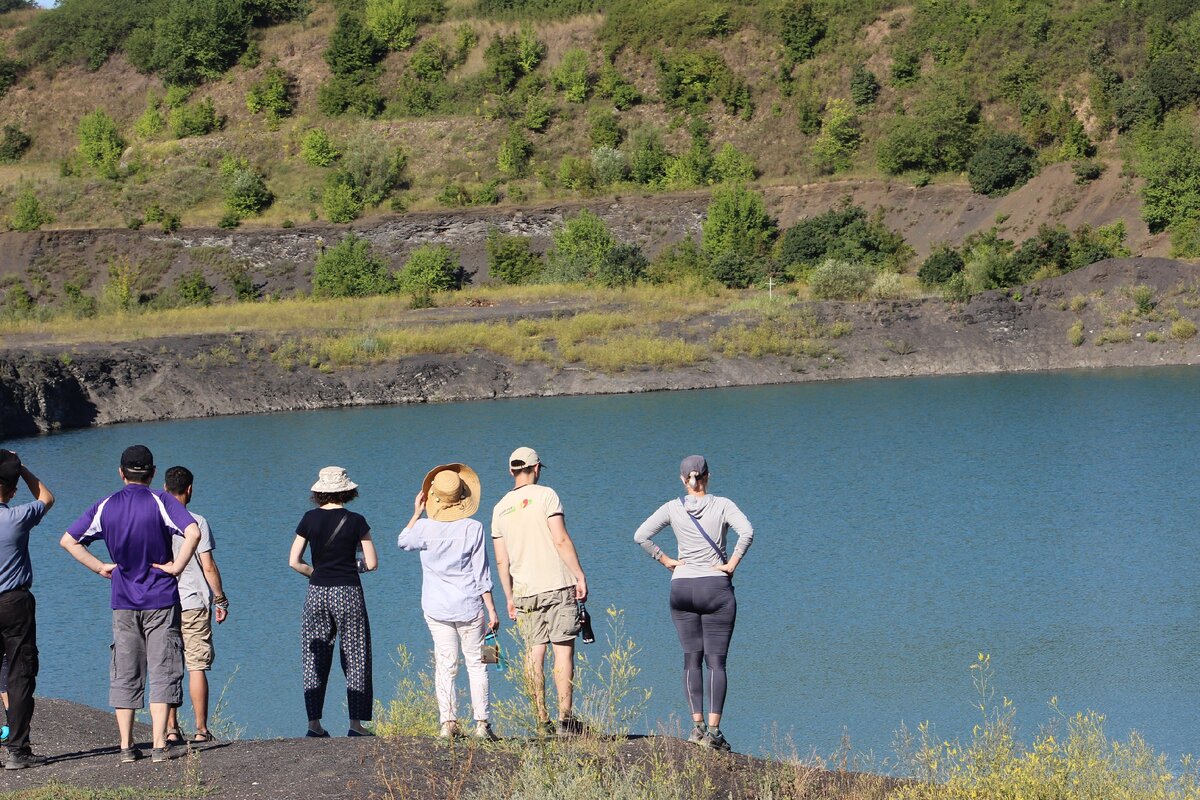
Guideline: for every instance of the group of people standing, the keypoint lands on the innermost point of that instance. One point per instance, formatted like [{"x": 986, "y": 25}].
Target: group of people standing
[{"x": 166, "y": 590}]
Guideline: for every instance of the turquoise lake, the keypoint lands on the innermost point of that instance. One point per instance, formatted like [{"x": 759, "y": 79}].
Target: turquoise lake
[{"x": 902, "y": 527}]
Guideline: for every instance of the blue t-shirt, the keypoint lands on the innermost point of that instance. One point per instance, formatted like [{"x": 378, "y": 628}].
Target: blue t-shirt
[
  {"x": 15, "y": 524},
  {"x": 137, "y": 524}
]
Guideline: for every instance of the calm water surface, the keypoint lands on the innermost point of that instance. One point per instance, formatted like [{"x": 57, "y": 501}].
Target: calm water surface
[{"x": 902, "y": 527}]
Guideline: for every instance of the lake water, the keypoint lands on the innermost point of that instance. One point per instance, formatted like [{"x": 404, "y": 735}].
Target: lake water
[{"x": 902, "y": 527}]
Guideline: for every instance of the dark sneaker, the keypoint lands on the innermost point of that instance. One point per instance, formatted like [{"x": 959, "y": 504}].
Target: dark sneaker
[
  {"x": 353, "y": 732},
  {"x": 570, "y": 726},
  {"x": 159, "y": 755},
  {"x": 697, "y": 734},
  {"x": 715, "y": 740},
  {"x": 130, "y": 755},
  {"x": 546, "y": 728},
  {"x": 23, "y": 760}
]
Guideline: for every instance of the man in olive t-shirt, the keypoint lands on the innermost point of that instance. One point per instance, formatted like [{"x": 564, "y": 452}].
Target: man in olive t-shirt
[{"x": 542, "y": 580}]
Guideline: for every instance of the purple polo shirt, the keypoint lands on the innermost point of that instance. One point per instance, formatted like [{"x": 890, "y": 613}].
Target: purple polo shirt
[{"x": 137, "y": 524}]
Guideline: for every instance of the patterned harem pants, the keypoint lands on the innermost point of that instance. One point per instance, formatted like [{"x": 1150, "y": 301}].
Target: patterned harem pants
[{"x": 328, "y": 612}]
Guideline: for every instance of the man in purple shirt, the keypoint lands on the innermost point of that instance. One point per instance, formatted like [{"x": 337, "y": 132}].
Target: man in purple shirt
[{"x": 137, "y": 524}]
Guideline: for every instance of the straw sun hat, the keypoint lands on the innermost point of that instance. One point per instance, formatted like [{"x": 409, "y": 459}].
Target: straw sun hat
[{"x": 451, "y": 492}]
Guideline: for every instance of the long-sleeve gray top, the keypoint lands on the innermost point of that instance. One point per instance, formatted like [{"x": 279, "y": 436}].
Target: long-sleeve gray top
[{"x": 716, "y": 514}]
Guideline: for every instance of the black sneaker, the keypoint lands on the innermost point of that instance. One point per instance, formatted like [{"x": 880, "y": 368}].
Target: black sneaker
[
  {"x": 22, "y": 759},
  {"x": 715, "y": 739},
  {"x": 570, "y": 726},
  {"x": 159, "y": 755},
  {"x": 697, "y": 734},
  {"x": 130, "y": 755}
]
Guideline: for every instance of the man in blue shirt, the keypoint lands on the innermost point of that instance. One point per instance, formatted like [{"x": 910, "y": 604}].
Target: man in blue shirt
[
  {"x": 18, "y": 629},
  {"x": 137, "y": 524}
]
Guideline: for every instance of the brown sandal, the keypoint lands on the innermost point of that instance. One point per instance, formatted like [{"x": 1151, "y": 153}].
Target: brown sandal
[
  {"x": 203, "y": 737},
  {"x": 175, "y": 736}
]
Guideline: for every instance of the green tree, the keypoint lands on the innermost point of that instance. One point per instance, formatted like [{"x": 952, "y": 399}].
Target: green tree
[
  {"x": 737, "y": 220},
  {"x": 623, "y": 265},
  {"x": 833, "y": 149},
  {"x": 731, "y": 164},
  {"x": 513, "y": 157},
  {"x": 13, "y": 144},
  {"x": 648, "y": 162},
  {"x": 350, "y": 269},
  {"x": 511, "y": 259},
  {"x": 193, "y": 289},
  {"x": 1169, "y": 162},
  {"x": 864, "y": 86},
  {"x": 373, "y": 166},
  {"x": 429, "y": 269},
  {"x": 603, "y": 128},
  {"x": 194, "y": 119},
  {"x": 936, "y": 136},
  {"x": 1001, "y": 163},
  {"x": 573, "y": 75},
  {"x": 941, "y": 265},
  {"x": 394, "y": 22},
  {"x": 10, "y": 71},
  {"x": 100, "y": 143},
  {"x": 353, "y": 51},
  {"x": 341, "y": 201},
  {"x": 579, "y": 246},
  {"x": 841, "y": 280},
  {"x": 801, "y": 29},
  {"x": 246, "y": 193},
  {"x": 28, "y": 214},
  {"x": 199, "y": 40}
]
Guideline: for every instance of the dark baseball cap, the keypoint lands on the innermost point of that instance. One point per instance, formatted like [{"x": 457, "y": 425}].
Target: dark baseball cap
[
  {"x": 10, "y": 468},
  {"x": 137, "y": 458},
  {"x": 695, "y": 464}
]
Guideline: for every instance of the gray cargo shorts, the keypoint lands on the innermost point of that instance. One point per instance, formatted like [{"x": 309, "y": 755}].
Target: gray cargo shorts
[
  {"x": 549, "y": 617},
  {"x": 146, "y": 644}
]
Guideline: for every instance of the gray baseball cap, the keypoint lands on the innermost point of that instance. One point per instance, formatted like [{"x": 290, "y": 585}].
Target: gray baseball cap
[{"x": 695, "y": 464}]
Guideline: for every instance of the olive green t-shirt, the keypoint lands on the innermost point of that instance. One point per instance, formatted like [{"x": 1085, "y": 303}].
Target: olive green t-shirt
[{"x": 522, "y": 519}]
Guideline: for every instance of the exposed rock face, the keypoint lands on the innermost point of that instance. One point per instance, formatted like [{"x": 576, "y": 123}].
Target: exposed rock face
[{"x": 43, "y": 388}]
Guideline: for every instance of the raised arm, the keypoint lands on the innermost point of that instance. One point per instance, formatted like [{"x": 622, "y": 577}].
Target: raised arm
[
  {"x": 410, "y": 538},
  {"x": 296, "y": 557},
  {"x": 37, "y": 488},
  {"x": 566, "y": 551}
]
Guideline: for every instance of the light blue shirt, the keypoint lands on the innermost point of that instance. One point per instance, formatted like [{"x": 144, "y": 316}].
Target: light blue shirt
[
  {"x": 454, "y": 564},
  {"x": 16, "y": 522}
]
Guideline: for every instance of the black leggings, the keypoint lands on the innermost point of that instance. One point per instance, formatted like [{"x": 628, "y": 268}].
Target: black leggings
[{"x": 704, "y": 611}]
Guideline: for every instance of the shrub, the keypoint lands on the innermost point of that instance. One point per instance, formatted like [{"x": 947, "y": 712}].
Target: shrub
[
  {"x": 350, "y": 269},
  {"x": 648, "y": 161},
  {"x": 28, "y": 214},
  {"x": 10, "y": 71},
  {"x": 731, "y": 164},
  {"x": 612, "y": 85},
  {"x": 394, "y": 22},
  {"x": 573, "y": 75},
  {"x": 353, "y": 51},
  {"x": 603, "y": 129},
  {"x": 507, "y": 59},
  {"x": 100, "y": 143},
  {"x": 940, "y": 266},
  {"x": 430, "y": 61},
  {"x": 13, "y": 144},
  {"x": 737, "y": 269},
  {"x": 193, "y": 290},
  {"x": 1136, "y": 105},
  {"x": 841, "y": 280},
  {"x": 1169, "y": 161},
  {"x": 538, "y": 112},
  {"x": 688, "y": 79},
  {"x": 935, "y": 136},
  {"x": 151, "y": 123},
  {"x": 432, "y": 268},
  {"x": 176, "y": 95},
  {"x": 317, "y": 149},
  {"x": 681, "y": 261},
  {"x": 199, "y": 40},
  {"x": 194, "y": 119},
  {"x": 906, "y": 68},
  {"x": 576, "y": 173},
  {"x": 833, "y": 150},
  {"x": 1003, "y": 162},
  {"x": 513, "y": 157},
  {"x": 272, "y": 95},
  {"x": 623, "y": 265},
  {"x": 579, "y": 246},
  {"x": 510, "y": 259},
  {"x": 737, "y": 219},
  {"x": 246, "y": 193},
  {"x": 801, "y": 29},
  {"x": 373, "y": 167},
  {"x": 887, "y": 286},
  {"x": 1075, "y": 334},
  {"x": 1087, "y": 170},
  {"x": 1183, "y": 329},
  {"x": 348, "y": 95},
  {"x": 341, "y": 201},
  {"x": 864, "y": 86},
  {"x": 608, "y": 165}
]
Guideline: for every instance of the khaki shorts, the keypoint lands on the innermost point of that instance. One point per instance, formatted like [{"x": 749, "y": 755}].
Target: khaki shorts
[
  {"x": 198, "y": 650},
  {"x": 549, "y": 617}
]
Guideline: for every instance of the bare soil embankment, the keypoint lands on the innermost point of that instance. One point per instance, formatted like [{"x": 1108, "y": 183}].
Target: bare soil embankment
[
  {"x": 47, "y": 386},
  {"x": 81, "y": 744}
]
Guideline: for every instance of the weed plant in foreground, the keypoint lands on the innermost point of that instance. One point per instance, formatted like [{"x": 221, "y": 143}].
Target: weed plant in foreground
[{"x": 1071, "y": 759}]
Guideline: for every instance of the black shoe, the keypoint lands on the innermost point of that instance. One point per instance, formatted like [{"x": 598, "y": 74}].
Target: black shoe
[
  {"x": 21, "y": 759},
  {"x": 715, "y": 740},
  {"x": 546, "y": 728},
  {"x": 130, "y": 754},
  {"x": 570, "y": 726},
  {"x": 159, "y": 755},
  {"x": 311, "y": 734}
]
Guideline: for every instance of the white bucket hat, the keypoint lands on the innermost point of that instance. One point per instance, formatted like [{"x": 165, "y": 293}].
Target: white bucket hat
[{"x": 333, "y": 479}]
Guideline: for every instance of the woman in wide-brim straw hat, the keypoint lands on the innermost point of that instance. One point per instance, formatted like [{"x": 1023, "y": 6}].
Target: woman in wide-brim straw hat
[
  {"x": 703, "y": 606},
  {"x": 456, "y": 591},
  {"x": 335, "y": 605}
]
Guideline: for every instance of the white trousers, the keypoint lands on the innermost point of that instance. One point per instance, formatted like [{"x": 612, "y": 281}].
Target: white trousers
[{"x": 448, "y": 637}]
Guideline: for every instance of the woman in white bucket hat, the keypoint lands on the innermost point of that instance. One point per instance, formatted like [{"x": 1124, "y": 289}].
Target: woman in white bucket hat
[
  {"x": 456, "y": 591},
  {"x": 335, "y": 605}
]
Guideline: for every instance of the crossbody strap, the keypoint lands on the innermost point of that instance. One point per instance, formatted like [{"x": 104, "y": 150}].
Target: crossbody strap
[
  {"x": 337, "y": 530},
  {"x": 720, "y": 553}
]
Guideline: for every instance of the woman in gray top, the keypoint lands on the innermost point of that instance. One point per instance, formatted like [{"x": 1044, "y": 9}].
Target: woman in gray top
[{"x": 703, "y": 606}]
